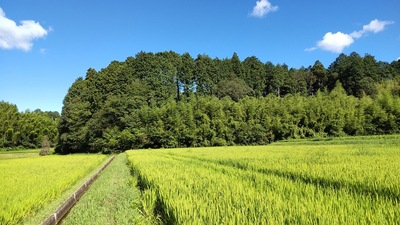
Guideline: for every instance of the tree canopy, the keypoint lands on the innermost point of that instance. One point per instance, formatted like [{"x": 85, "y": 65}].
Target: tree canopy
[
  {"x": 26, "y": 129},
  {"x": 163, "y": 100}
]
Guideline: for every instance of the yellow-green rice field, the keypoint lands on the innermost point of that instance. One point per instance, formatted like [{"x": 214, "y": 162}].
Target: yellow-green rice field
[
  {"x": 344, "y": 181},
  {"x": 28, "y": 182}
]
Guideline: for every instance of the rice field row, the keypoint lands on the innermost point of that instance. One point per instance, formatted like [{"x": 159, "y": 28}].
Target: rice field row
[
  {"x": 29, "y": 183},
  {"x": 349, "y": 183}
]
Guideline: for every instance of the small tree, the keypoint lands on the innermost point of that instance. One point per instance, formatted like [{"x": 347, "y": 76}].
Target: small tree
[
  {"x": 45, "y": 146},
  {"x": 233, "y": 87}
]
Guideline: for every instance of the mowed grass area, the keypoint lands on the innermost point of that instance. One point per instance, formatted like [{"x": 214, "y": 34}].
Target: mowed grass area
[
  {"x": 29, "y": 182},
  {"x": 326, "y": 181},
  {"x": 112, "y": 199}
]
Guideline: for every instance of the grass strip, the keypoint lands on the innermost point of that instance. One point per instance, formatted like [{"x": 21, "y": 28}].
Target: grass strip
[{"x": 112, "y": 198}]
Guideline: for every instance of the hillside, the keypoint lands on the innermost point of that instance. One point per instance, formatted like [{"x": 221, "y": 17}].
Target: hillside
[{"x": 171, "y": 100}]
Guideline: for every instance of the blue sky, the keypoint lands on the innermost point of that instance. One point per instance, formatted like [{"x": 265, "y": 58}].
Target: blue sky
[{"x": 45, "y": 45}]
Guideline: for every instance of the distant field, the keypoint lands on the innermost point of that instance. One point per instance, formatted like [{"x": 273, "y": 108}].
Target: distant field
[
  {"x": 320, "y": 181},
  {"x": 19, "y": 154},
  {"x": 28, "y": 182},
  {"x": 12, "y": 151}
]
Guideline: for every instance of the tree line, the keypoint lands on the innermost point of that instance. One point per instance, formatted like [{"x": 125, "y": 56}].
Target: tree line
[
  {"x": 26, "y": 129},
  {"x": 171, "y": 100}
]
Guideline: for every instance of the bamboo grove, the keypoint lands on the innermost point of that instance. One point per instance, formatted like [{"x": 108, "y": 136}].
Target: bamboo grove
[
  {"x": 26, "y": 129},
  {"x": 171, "y": 100}
]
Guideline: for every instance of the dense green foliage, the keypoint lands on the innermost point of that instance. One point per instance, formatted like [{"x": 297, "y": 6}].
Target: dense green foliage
[
  {"x": 171, "y": 100},
  {"x": 347, "y": 181},
  {"x": 26, "y": 129}
]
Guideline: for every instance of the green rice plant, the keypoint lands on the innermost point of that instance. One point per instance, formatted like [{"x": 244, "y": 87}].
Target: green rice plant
[
  {"x": 363, "y": 168},
  {"x": 275, "y": 184},
  {"x": 27, "y": 184}
]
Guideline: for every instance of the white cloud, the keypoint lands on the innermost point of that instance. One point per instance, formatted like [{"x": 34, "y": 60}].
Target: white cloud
[
  {"x": 262, "y": 8},
  {"x": 376, "y": 26},
  {"x": 13, "y": 36},
  {"x": 357, "y": 34},
  {"x": 338, "y": 41},
  {"x": 335, "y": 42}
]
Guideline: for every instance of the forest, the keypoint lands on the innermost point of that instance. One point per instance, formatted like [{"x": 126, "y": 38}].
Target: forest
[
  {"x": 167, "y": 100},
  {"x": 26, "y": 129}
]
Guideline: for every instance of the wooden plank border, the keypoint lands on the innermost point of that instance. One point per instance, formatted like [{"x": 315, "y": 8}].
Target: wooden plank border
[{"x": 64, "y": 208}]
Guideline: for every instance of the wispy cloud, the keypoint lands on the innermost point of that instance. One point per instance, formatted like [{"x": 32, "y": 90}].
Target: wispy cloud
[
  {"x": 336, "y": 42},
  {"x": 262, "y": 8},
  {"x": 374, "y": 26},
  {"x": 13, "y": 36}
]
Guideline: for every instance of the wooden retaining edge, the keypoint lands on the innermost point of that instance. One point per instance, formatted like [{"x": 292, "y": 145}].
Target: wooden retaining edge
[{"x": 64, "y": 208}]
